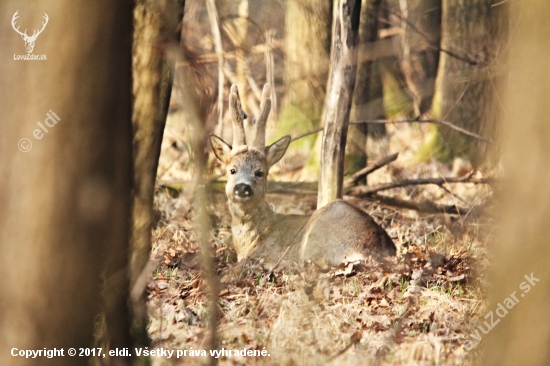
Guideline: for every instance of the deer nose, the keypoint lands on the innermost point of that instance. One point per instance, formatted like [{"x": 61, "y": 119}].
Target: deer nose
[{"x": 242, "y": 190}]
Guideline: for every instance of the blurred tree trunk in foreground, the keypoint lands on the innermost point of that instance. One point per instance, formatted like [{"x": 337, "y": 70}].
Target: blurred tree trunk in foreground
[
  {"x": 345, "y": 37},
  {"x": 155, "y": 28},
  {"x": 307, "y": 49},
  {"x": 368, "y": 100},
  {"x": 522, "y": 337},
  {"x": 475, "y": 33},
  {"x": 66, "y": 202}
]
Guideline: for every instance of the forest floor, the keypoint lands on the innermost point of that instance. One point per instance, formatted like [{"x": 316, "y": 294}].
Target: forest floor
[{"x": 418, "y": 308}]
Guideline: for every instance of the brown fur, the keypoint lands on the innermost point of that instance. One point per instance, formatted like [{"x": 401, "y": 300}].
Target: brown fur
[{"x": 336, "y": 233}]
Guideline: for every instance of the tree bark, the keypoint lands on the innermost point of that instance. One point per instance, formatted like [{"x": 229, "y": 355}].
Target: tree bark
[
  {"x": 368, "y": 100},
  {"x": 307, "y": 49},
  {"x": 522, "y": 336},
  {"x": 421, "y": 26},
  {"x": 65, "y": 202},
  {"x": 196, "y": 111},
  {"x": 474, "y": 33},
  {"x": 345, "y": 37},
  {"x": 154, "y": 29}
]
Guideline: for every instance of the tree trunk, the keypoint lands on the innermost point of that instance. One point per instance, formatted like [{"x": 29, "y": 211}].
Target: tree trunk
[
  {"x": 368, "y": 100},
  {"x": 522, "y": 336},
  {"x": 345, "y": 37},
  {"x": 307, "y": 48},
  {"x": 421, "y": 25},
  {"x": 152, "y": 85},
  {"x": 66, "y": 201},
  {"x": 473, "y": 32}
]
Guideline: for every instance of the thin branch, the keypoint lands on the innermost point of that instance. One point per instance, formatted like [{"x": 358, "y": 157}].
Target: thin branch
[
  {"x": 411, "y": 120},
  {"x": 500, "y": 3},
  {"x": 426, "y": 206},
  {"x": 196, "y": 113},
  {"x": 230, "y": 55},
  {"x": 361, "y": 191},
  {"x": 457, "y": 101},
  {"x": 454, "y": 196},
  {"x": 284, "y": 188},
  {"x": 140, "y": 283},
  {"x": 434, "y": 45},
  {"x": 270, "y": 71},
  {"x": 307, "y": 134},
  {"x": 429, "y": 120},
  {"x": 371, "y": 168},
  {"x": 276, "y": 264},
  {"x": 354, "y": 339}
]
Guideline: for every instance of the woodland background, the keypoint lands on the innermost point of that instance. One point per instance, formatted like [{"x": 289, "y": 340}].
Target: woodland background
[{"x": 457, "y": 89}]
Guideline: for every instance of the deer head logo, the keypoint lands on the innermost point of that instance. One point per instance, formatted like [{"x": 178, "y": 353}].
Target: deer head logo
[{"x": 29, "y": 40}]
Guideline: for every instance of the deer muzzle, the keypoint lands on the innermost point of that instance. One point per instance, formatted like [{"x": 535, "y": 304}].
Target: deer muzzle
[{"x": 242, "y": 191}]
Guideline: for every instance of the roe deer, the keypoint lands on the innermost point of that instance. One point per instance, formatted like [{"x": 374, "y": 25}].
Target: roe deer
[{"x": 337, "y": 233}]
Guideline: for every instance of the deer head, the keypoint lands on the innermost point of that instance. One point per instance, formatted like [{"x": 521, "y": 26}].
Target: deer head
[
  {"x": 247, "y": 159},
  {"x": 29, "y": 40}
]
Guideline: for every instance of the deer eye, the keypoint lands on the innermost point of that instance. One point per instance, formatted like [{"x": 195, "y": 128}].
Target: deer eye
[
  {"x": 232, "y": 171},
  {"x": 259, "y": 174}
]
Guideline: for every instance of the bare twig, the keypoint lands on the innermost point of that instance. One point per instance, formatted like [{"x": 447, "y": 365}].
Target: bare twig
[
  {"x": 161, "y": 172},
  {"x": 453, "y": 194},
  {"x": 392, "y": 338},
  {"x": 411, "y": 120},
  {"x": 229, "y": 74},
  {"x": 500, "y": 3},
  {"x": 307, "y": 134},
  {"x": 278, "y": 262},
  {"x": 231, "y": 55},
  {"x": 361, "y": 191},
  {"x": 435, "y": 45},
  {"x": 426, "y": 206},
  {"x": 270, "y": 71},
  {"x": 197, "y": 115},
  {"x": 354, "y": 339},
  {"x": 429, "y": 120},
  {"x": 287, "y": 187},
  {"x": 140, "y": 283},
  {"x": 256, "y": 95},
  {"x": 371, "y": 168}
]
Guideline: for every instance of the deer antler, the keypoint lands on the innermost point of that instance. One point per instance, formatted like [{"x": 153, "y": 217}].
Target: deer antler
[
  {"x": 24, "y": 34},
  {"x": 35, "y": 34},
  {"x": 238, "y": 117},
  {"x": 256, "y": 127},
  {"x": 13, "y": 19}
]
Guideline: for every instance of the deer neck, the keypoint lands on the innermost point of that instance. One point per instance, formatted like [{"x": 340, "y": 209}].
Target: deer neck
[{"x": 247, "y": 225}]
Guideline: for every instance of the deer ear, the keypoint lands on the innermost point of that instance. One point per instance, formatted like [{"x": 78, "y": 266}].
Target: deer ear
[
  {"x": 221, "y": 149},
  {"x": 275, "y": 151}
]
